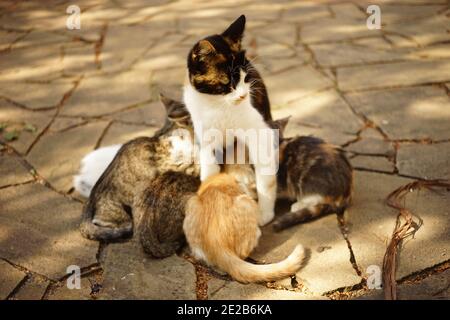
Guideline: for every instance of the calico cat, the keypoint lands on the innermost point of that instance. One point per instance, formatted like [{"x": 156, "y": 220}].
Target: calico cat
[
  {"x": 221, "y": 228},
  {"x": 223, "y": 91},
  {"x": 106, "y": 215}
]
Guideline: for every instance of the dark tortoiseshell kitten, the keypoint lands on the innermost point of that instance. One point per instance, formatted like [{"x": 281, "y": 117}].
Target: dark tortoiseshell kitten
[{"x": 316, "y": 175}]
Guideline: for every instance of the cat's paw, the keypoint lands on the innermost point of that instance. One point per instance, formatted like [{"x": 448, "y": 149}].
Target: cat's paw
[{"x": 266, "y": 217}]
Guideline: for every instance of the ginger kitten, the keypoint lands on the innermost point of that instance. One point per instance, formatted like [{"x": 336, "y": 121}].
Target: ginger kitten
[{"x": 221, "y": 228}]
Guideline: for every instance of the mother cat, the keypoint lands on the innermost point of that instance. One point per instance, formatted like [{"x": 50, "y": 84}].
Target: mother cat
[{"x": 224, "y": 92}]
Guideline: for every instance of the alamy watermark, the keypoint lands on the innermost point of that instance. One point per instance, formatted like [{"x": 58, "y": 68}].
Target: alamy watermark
[
  {"x": 374, "y": 280},
  {"x": 73, "y": 21},
  {"x": 373, "y": 22},
  {"x": 74, "y": 279}
]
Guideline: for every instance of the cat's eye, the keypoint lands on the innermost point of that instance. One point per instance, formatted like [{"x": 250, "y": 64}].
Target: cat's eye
[{"x": 247, "y": 78}]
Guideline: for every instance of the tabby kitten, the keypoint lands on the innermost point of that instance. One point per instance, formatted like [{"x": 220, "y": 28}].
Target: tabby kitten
[
  {"x": 221, "y": 227},
  {"x": 106, "y": 215},
  {"x": 223, "y": 91}
]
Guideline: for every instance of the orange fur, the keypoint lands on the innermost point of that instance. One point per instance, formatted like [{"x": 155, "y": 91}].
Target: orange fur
[{"x": 221, "y": 227}]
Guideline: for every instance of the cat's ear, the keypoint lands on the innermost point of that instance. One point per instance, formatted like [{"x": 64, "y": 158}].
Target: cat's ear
[
  {"x": 280, "y": 124},
  {"x": 233, "y": 35},
  {"x": 176, "y": 110},
  {"x": 202, "y": 49}
]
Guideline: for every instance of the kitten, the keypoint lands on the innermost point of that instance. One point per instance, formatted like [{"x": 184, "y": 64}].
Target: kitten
[
  {"x": 221, "y": 227},
  {"x": 106, "y": 215},
  {"x": 314, "y": 174},
  {"x": 159, "y": 214},
  {"x": 92, "y": 167},
  {"x": 223, "y": 92}
]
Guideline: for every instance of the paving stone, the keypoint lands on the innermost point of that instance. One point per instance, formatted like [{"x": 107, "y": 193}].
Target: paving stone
[
  {"x": 304, "y": 12},
  {"x": 284, "y": 33},
  {"x": 8, "y": 38},
  {"x": 62, "y": 123},
  {"x": 341, "y": 54},
  {"x": 11, "y": 277},
  {"x": 41, "y": 233},
  {"x": 79, "y": 59},
  {"x": 295, "y": 83},
  {"x": 406, "y": 113},
  {"x": 404, "y": 13},
  {"x": 64, "y": 293},
  {"x": 371, "y": 142},
  {"x": 372, "y": 163},
  {"x": 393, "y": 74},
  {"x": 119, "y": 133},
  {"x": 326, "y": 30},
  {"x": 428, "y": 161},
  {"x": 33, "y": 289},
  {"x": 35, "y": 95},
  {"x": 168, "y": 81},
  {"x": 29, "y": 125},
  {"x": 98, "y": 95},
  {"x": 371, "y": 223},
  {"x": 123, "y": 44},
  {"x": 36, "y": 38},
  {"x": 12, "y": 171},
  {"x": 30, "y": 63},
  {"x": 323, "y": 114},
  {"x": 130, "y": 274},
  {"x": 57, "y": 155},
  {"x": 230, "y": 290},
  {"x": 152, "y": 114},
  {"x": 348, "y": 11},
  {"x": 326, "y": 269}
]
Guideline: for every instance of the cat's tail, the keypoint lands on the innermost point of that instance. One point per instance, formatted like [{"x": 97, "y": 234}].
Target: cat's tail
[
  {"x": 245, "y": 272},
  {"x": 93, "y": 231}
]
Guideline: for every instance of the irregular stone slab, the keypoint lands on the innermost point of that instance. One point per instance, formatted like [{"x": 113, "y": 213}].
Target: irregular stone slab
[
  {"x": 33, "y": 289},
  {"x": 28, "y": 125},
  {"x": 64, "y": 293},
  {"x": 39, "y": 231},
  {"x": 79, "y": 59},
  {"x": 30, "y": 63},
  {"x": 152, "y": 114},
  {"x": 304, "y": 12},
  {"x": 292, "y": 84},
  {"x": 12, "y": 171},
  {"x": 348, "y": 11},
  {"x": 62, "y": 124},
  {"x": 35, "y": 95},
  {"x": 328, "y": 266},
  {"x": 284, "y": 33},
  {"x": 231, "y": 290},
  {"x": 99, "y": 95},
  {"x": 371, "y": 142},
  {"x": 57, "y": 155},
  {"x": 325, "y": 30},
  {"x": 434, "y": 287},
  {"x": 425, "y": 110},
  {"x": 342, "y": 54},
  {"x": 427, "y": 161},
  {"x": 372, "y": 163},
  {"x": 130, "y": 274},
  {"x": 393, "y": 74},
  {"x": 8, "y": 38},
  {"x": 324, "y": 110},
  {"x": 371, "y": 223},
  {"x": 423, "y": 32},
  {"x": 168, "y": 81},
  {"x": 396, "y": 13},
  {"x": 124, "y": 44},
  {"x": 10, "y": 279},
  {"x": 119, "y": 133}
]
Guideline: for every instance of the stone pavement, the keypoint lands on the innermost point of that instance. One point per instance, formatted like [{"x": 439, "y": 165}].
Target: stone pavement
[{"x": 381, "y": 94}]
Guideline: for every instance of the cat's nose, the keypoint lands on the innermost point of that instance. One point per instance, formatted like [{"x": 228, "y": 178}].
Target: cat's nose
[{"x": 243, "y": 96}]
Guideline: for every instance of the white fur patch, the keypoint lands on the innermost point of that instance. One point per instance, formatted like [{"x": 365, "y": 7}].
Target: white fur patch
[
  {"x": 91, "y": 168},
  {"x": 309, "y": 201}
]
